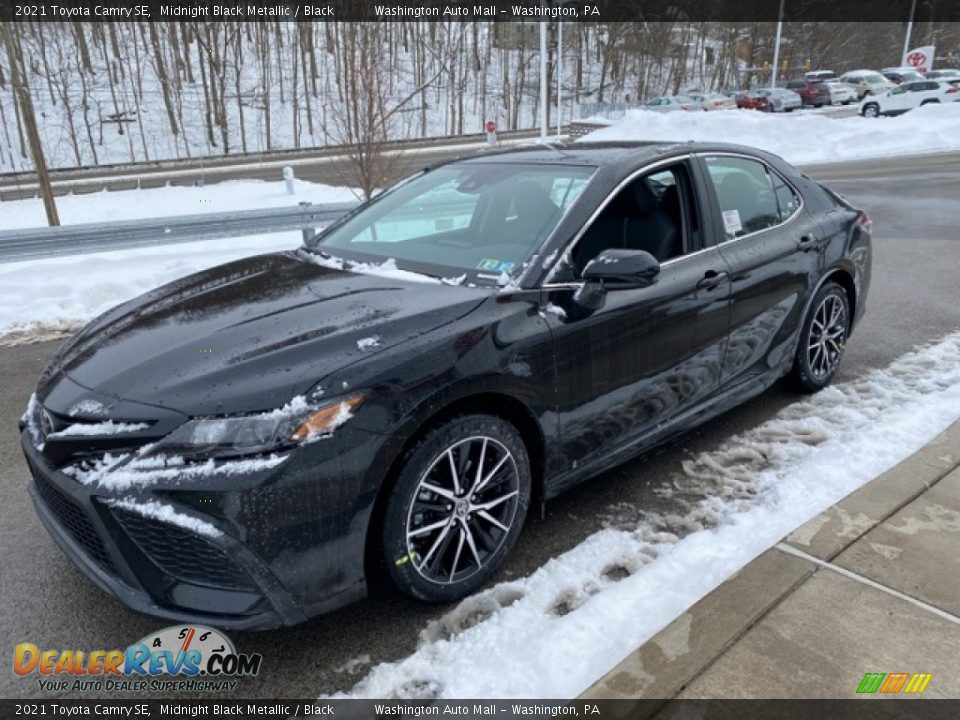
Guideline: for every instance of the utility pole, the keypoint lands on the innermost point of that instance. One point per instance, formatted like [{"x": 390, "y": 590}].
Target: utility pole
[
  {"x": 33, "y": 136},
  {"x": 543, "y": 82},
  {"x": 776, "y": 46}
]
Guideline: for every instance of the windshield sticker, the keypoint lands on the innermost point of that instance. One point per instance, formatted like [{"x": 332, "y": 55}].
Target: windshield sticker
[
  {"x": 495, "y": 265},
  {"x": 731, "y": 221}
]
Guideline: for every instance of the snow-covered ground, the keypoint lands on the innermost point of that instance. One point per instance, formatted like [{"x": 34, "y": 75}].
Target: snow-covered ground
[
  {"x": 168, "y": 201},
  {"x": 801, "y": 138},
  {"x": 554, "y": 633},
  {"x": 47, "y": 298}
]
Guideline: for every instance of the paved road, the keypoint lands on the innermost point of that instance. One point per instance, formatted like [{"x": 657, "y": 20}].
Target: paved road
[
  {"x": 914, "y": 203},
  {"x": 322, "y": 165}
]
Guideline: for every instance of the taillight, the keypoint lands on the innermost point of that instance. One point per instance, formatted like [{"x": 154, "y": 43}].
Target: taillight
[
  {"x": 951, "y": 90},
  {"x": 864, "y": 222}
]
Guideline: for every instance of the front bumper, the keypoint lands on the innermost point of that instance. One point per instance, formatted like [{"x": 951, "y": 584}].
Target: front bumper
[{"x": 164, "y": 570}]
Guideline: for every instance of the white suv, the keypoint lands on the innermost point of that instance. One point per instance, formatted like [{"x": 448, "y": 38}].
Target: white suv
[{"x": 908, "y": 96}]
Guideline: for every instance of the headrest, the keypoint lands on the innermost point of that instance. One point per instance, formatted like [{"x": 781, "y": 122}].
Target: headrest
[
  {"x": 634, "y": 200},
  {"x": 531, "y": 199}
]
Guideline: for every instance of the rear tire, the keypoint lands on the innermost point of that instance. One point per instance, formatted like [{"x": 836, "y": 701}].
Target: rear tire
[
  {"x": 457, "y": 508},
  {"x": 823, "y": 339}
]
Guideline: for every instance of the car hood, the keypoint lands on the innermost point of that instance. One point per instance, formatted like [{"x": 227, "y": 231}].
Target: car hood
[{"x": 250, "y": 335}]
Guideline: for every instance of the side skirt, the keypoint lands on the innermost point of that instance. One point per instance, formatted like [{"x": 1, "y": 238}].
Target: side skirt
[{"x": 697, "y": 415}]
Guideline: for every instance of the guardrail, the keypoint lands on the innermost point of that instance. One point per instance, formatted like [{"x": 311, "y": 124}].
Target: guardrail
[{"x": 31, "y": 243}]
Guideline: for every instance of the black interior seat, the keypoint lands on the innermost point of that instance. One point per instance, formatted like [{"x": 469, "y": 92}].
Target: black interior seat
[
  {"x": 534, "y": 208},
  {"x": 652, "y": 228},
  {"x": 738, "y": 193},
  {"x": 635, "y": 219}
]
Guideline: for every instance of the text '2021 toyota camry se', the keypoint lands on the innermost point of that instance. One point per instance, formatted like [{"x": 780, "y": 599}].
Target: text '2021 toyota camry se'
[{"x": 246, "y": 445}]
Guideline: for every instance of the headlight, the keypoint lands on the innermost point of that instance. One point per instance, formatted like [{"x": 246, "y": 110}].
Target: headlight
[{"x": 296, "y": 423}]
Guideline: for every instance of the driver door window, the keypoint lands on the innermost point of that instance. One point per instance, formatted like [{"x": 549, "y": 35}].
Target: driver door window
[{"x": 652, "y": 213}]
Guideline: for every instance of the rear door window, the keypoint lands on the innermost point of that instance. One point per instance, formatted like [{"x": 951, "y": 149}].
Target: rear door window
[{"x": 748, "y": 203}]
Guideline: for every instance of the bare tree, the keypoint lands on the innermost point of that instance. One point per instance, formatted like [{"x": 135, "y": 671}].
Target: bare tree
[{"x": 30, "y": 121}]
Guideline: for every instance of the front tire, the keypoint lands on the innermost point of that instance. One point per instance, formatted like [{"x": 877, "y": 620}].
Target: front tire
[
  {"x": 871, "y": 111},
  {"x": 823, "y": 339},
  {"x": 457, "y": 508}
]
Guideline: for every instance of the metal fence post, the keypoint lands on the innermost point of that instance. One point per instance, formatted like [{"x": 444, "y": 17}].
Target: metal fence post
[{"x": 308, "y": 232}]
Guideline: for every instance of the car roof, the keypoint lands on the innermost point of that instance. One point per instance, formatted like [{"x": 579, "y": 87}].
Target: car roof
[{"x": 603, "y": 154}]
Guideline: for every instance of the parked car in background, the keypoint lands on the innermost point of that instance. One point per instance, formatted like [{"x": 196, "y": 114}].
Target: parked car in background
[
  {"x": 898, "y": 75},
  {"x": 840, "y": 92},
  {"x": 753, "y": 100},
  {"x": 943, "y": 74},
  {"x": 820, "y": 75},
  {"x": 910, "y": 95},
  {"x": 781, "y": 99},
  {"x": 811, "y": 92},
  {"x": 867, "y": 82},
  {"x": 672, "y": 103},
  {"x": 714, "y": 101}
]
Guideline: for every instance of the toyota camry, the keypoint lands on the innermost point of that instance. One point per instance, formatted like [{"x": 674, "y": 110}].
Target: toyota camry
[{"x": 249, "y": 445}]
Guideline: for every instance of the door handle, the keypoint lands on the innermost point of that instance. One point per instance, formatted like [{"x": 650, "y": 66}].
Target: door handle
[
  {"x": 711, "y": 279},
  {"x": 808, "y": 243}
]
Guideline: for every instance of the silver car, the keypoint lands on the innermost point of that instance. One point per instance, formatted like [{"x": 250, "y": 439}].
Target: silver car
[
  {"x": 867, "y": 82},
  {"x": 840, "y": 92},
  {"x": 714, "y": 101},
  {"x": 946, "y": 74},
  {"x": 781, "y": 99},
  {"x": 672, "y": 103}
]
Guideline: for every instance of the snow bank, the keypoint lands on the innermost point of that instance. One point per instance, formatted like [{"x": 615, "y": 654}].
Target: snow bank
[
  {"x": 167, "y": 201},
  {"x": 46, "y": 299},
  {"x": 801, "y": 138},
  {"x": 554, "y": 633}
]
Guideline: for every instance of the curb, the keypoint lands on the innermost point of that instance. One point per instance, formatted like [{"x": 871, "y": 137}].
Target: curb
[{"x": 664, "y": 665}]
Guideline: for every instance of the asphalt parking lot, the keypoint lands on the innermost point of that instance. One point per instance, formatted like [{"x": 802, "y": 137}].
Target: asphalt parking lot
[{"x": 914, "y": 203}]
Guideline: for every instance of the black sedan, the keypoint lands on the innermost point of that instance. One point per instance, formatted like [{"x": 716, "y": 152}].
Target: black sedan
[{"x": 248, "y": 445}]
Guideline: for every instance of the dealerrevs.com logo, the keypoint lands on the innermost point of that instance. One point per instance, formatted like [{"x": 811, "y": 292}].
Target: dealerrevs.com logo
[{"x": 177, "y": 658}]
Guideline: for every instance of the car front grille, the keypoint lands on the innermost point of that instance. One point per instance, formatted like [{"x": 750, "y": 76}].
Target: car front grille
[
  {"x": 183, "y": 554},
  {"x": 74, "y": 520}
]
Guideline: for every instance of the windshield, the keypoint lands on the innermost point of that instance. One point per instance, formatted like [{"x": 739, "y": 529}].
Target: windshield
[{"x": 486, "y": 218}]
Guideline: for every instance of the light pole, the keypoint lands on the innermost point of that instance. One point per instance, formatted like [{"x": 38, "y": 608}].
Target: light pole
[
  {"x": 543, "y": 82},
  {"x": 906, "y": 40},
  {"x": 776, "y": 47},
  {"x": 559, "y": 76}
]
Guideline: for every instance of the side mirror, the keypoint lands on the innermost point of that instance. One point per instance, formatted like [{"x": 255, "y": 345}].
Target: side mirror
[
  {"x": 623, "y": 268},
  {"x": 615, "y": 270}
]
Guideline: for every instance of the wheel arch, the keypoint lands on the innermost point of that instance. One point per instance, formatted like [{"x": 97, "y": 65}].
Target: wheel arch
[
  {"x": 430, "y": 414},
  {"x": 842, "y": 277}
]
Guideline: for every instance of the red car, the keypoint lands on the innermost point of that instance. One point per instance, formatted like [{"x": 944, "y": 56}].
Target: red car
[
  {"x": 811, "y": 92},
  {"x": 753, "y": 101}
]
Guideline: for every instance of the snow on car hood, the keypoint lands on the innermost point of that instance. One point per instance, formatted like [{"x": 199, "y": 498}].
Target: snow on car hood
[{"x": 251, "y": 334}]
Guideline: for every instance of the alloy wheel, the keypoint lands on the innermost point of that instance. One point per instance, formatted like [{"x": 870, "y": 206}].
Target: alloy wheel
[
  {"x": 827, "y": 336},
  {"x": 463, "y": 509}
]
